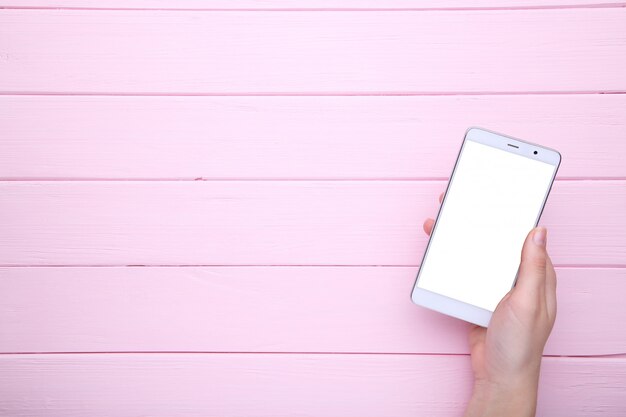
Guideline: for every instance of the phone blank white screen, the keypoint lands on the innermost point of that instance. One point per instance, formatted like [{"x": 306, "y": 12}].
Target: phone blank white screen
[{"x": 492, "y": 203}]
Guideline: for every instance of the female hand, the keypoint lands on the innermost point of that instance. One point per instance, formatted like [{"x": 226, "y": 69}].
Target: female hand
[{"x": 506, "y": 356}]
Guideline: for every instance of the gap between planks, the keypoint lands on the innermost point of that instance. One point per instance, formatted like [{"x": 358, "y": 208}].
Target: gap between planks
[
  {"x": 328, "y": 9},
  {"x": 194, "y": 352},
  {"x": 312, "y": 93},
  {"x": 562, "y": 266},
  {"x": 269, "y": 179}
]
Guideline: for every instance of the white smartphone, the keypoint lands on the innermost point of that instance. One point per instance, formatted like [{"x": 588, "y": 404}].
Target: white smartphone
[{"x": 495, "y": 196}]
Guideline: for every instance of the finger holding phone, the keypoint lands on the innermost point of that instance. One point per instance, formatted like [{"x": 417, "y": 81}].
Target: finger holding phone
[{"x": 506, "y": 356}]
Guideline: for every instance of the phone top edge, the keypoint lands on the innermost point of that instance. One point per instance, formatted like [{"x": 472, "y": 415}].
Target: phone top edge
[{"x": 513, "y": 145}]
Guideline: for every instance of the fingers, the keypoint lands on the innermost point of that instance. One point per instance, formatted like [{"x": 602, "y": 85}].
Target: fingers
[
  {"x": 550, "y": 288},
  {"x": 428, "y": 226},
  {"x": 476, "y": 336},
  {"x": 531, "y": 279},
  {"x": 429, "y": 223}
]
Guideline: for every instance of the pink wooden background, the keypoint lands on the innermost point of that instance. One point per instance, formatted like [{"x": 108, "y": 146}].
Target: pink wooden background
[{"x": 214, "y": 208}]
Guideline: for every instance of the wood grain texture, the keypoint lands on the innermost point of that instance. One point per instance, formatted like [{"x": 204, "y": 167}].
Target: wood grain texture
[
  {"x": 57, "y": 137},
  {"x": 198, "y": 5},
  {"x": 271, "y": 222},
  {"x": 174, "y": 52},
  {"x": 127, "y": 385},
  {"x": 272, "y": 309},
  {"x": 365, "y": 90}
]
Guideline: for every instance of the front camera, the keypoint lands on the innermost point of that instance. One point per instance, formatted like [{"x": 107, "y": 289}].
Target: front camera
[{"x": 535, "y": 152}]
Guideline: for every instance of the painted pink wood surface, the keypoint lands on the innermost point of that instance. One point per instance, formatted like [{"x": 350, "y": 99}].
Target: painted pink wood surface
[
  {"x": 272, "y": 222},
  {"x": 272, "y": 309},
  {"x": 303, "y": 4},
  {"x": 78, "y": 113},
  {"x": 128, "y": 385},
  {"x": 347, "y": 52},
  {"x": 409, "y": 137}
]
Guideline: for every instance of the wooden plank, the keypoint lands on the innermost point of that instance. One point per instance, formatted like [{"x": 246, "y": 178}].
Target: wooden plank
[
  {"x": 285, "y": 385},
  {"x": 302, "y": 4},
  {"x": 348, "y": 137},
  {"x": 271, "y": 309},
  {"x": 178, "y": 52},
  {"x": 271, "y": 222}
]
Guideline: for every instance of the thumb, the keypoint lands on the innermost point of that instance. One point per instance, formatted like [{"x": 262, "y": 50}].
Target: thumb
[{"x": 531, "y": 278}]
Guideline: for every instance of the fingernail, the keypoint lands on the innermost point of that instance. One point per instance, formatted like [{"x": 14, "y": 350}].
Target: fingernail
[{"x": 539, "y": 237}]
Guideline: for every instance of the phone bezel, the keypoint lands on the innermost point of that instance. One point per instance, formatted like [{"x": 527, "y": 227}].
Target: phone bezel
[{"x": 451, "y": 306}]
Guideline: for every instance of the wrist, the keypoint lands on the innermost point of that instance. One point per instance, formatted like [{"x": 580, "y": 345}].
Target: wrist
[{"x": 511, "y": 398}]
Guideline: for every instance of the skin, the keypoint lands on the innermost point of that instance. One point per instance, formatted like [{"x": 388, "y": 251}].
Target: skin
[{"x": 506, "y": 356}]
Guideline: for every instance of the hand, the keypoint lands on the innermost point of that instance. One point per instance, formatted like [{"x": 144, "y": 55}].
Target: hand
[{"x": 506, "y": 356}]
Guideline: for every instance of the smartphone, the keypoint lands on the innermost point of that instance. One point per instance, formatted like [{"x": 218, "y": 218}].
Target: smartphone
[{"x": 495, "y": 196}]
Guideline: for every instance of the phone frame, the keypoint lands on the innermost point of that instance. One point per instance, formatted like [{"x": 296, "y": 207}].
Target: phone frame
[{"x": 451, "y": 306}]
